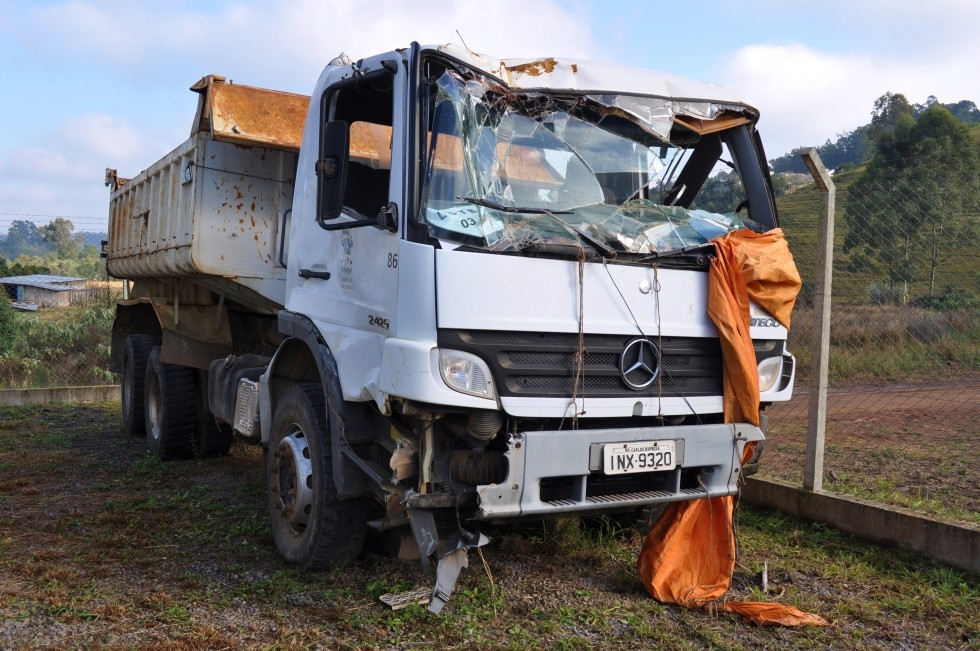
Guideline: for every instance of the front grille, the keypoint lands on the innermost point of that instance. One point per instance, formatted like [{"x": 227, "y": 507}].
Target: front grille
[{"x": 531, "y": 364}]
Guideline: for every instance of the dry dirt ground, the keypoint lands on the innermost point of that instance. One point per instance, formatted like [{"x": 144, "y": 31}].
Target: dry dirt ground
[
  {"x": 104, "y": 547},
  {"x": 907, "y": 445}
]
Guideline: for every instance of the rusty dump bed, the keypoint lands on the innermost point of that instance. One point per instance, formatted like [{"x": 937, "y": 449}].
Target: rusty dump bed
[
  {"x": 214, "y": 207},
  {"x": 246, "y": 115}
]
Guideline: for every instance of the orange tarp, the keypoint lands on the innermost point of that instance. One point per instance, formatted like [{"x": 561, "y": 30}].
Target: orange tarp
[{"x": 689, "y": 556}]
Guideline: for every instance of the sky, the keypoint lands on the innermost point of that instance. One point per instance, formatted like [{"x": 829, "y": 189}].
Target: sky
[{"x": 90, "y": 84}]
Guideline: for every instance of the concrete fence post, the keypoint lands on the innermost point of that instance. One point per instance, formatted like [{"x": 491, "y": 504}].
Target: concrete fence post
[{"x": 820, "y": 352}]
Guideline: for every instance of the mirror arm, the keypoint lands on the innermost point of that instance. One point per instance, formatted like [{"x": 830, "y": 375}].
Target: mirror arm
[{"x": 386, "y": 219}]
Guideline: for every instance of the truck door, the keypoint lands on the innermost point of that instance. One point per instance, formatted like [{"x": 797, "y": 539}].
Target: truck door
[{"x": 346, "y": 278}]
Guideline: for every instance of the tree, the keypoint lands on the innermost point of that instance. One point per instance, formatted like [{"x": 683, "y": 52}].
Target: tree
[
  {"x": 909, "y": 204},
  {"x": 23, "y": 238},
  {"x": 8, "y": 324},
  {"x": 91, "y": 264},
  {"x": 889, "y": 111},
  {"x": 9, "y": 268},
  {"x": 58, "y": 237},
  {"x": 851, "y": 148},
  {"x": 721, "y": 193}
]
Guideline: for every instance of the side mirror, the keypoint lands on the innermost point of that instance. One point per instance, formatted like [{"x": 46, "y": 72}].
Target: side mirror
[{"x": 331, "y": 170}]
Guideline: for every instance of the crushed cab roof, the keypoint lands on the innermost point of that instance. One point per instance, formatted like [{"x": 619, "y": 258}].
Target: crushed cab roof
[{"x": 591, "y": 76}]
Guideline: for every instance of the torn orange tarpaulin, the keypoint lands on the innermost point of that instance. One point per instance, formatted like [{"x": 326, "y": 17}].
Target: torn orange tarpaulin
[
  {"x": 689, "y": 555},
  {"x": 760, "y": 266}
]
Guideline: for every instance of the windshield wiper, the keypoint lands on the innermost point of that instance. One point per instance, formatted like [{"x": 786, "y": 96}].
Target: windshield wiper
[
  {"x": 486, "y": 203},
  {"x": 601, "y": 247}
]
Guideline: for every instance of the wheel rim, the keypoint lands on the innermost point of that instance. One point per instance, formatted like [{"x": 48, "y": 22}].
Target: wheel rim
[
  {"x": 294, "y": 481},
  {"x": 154, "y": 407}
]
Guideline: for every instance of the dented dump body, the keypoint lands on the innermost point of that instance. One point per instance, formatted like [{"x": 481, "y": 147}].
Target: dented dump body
[{"x": 446, "y": 284}]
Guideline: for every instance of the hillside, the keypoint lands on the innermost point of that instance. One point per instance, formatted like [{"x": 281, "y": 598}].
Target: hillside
[
  {"x": 855, "y": 147},
  {"x": 799, "y": 216}
]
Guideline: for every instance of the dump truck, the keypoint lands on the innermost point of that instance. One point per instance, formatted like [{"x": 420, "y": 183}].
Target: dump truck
[{"x": 442, "y": 292}]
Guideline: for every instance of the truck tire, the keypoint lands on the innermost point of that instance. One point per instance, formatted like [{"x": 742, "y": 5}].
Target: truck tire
[
  {"x": 133, "y": 381},
  {"x": 313, "y": 528},
  {"x": 648, "y": 516},
  {"x": 171, "y": 414},
  {"x": 212, "y": 439}
]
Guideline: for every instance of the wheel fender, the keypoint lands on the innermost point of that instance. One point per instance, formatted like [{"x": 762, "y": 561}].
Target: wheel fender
[{"x": 304, "y": 357}]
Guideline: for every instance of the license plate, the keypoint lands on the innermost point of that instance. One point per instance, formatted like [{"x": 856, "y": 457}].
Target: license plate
[{"x": 642, "y": 456}]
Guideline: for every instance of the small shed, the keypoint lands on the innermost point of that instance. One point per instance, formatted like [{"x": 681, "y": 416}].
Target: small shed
[{"x": 39, "y": 290}]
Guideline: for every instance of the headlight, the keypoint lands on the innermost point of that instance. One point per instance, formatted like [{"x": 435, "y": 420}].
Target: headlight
[
  {"x": 466, "y": 373},
  {"x": 769, "y": 372}
]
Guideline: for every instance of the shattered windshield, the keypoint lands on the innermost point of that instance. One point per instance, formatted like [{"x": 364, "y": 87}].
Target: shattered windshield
[{"x": 603, "y": 173}]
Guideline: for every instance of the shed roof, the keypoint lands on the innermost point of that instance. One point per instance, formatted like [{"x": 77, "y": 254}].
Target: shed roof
[{"x": 42, "y": 281}]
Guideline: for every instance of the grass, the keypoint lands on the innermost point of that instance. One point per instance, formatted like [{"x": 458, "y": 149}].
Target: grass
[
  {"x": 59, "y": 347},
  {"x": 102, "y": 546},
  {"x": 891, "y": 343}
]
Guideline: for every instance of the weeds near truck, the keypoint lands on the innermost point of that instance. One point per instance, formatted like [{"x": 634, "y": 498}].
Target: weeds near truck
[
  {"x": 59, "y": 347},
  {"x": 102, "y": 546},
  {"x": 891, "y": 343}
]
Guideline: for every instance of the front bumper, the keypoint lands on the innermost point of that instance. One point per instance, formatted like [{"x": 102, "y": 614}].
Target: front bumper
[{"x": 560, "y": 472}]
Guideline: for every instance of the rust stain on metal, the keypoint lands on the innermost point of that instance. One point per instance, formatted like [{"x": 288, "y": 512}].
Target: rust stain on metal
[
  {"x": 574, "y": 67},
  {"x": 534, "y": 68},
  {"x": 248, "y": 115}
]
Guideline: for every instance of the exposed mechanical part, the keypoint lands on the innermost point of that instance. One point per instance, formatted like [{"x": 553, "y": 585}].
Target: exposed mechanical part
[
  {"x": 405, "y": 459},
  {"x": 450, "y": 565},
  {"x": 483, "y": 425},
  {"x": 478, "y": 467}
]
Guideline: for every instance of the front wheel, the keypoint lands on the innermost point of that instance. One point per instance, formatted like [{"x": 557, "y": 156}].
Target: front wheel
[{"x": 312, "y": 526}]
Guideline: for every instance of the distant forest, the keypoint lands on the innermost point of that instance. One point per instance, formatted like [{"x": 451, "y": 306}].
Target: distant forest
[
  {"x": 855, "y": 147},
  {"x": 54, "y": 248}
]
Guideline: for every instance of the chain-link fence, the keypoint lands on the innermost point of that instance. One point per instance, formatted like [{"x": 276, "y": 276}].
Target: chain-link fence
[
  {"x": 903, "y": 404},
  {"x": 58, "y": 347}
]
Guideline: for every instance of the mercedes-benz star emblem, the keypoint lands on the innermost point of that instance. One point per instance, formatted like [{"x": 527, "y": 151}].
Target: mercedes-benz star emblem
[{"x": 639, "y": 365}]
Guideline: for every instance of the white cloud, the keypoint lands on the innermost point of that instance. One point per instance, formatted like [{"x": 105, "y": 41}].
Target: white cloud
[
  {"x": 286, "y": 43},
  {"x": 807, "y": 96},
  {"x": 76, "y": 147},
  {"x": 63, "y": 173},
  {"x": 109, "y": 82}
]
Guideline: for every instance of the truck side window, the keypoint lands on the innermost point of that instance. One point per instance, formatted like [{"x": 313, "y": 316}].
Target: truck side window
[{"x": 367, "y": 107}]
